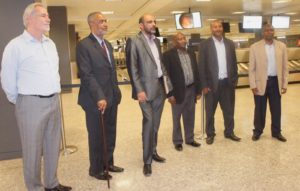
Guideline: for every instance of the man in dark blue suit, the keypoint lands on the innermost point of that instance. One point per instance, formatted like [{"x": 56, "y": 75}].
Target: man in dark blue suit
[
  {"x": 219, "y": 77},
  {"x": 99, "y": 92}
]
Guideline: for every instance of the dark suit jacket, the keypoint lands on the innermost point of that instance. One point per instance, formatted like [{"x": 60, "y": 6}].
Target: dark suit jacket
[
  {"x": 98, "y": 75},
  {"x": 175, "y": 71},
  {"x": 208, "y": 64},
  {"x": 142, "y": 68}
]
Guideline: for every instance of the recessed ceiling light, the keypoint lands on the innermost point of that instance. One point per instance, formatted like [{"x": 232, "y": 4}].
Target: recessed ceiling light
[
  {"x": 203, "y": 0},
  {"x": 107, "y": 12},
  {"x": 238, "y": 12},
  {"x": 291, "y": 13},
  {"x": 177, "y": 12},
  {"x": 113, "y": 0}
]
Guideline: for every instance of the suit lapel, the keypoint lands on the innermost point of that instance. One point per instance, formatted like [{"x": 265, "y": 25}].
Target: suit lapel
[
  {"x": 144, "y": 40},
  {"x": 212, "y": 47},
  {"x": 98, "y": 48}
]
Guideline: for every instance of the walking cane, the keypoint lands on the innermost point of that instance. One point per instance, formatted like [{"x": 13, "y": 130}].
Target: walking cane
[{"x": 102, "y": 127}]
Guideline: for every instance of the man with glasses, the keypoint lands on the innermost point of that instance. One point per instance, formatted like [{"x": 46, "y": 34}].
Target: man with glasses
[
  {"x": 99, "y": 92},
  {"x": 31, "y": 81}
]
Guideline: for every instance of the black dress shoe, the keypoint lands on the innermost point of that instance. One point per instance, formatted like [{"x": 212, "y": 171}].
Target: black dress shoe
[
  {"x": 147, "y": 169},
  {"x": 59, "y": 188},
  {"x": 255, "y": 137},
  {"x": 280, "y": 137},
  {"x": 101, "y": 176},
  {"x": 158, "y": 158},
  {"x": 113, "y": 168},
  {"x": 194, "y": 144},
  {"x": 210, "y": 140},
  {"x": 178, "y": 147},
  {"x": 233, "y": 137}
]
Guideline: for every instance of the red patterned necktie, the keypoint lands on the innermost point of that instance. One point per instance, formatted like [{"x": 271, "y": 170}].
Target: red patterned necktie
[{"x": 103, "y": 48}]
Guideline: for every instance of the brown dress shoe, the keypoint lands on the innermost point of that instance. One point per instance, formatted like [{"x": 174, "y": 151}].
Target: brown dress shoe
[
  {"x": 233, "y": 137},
  {"x": 210, "y": 140},
  {"x": 101, "y": 176},
  {"x": 178, "y": 147},
  {"x": 194, "y": 144},
  {"x": 113, "y": 168},
  {"x": 147, "y": 170},
  {"x": 280, "y": 137}
]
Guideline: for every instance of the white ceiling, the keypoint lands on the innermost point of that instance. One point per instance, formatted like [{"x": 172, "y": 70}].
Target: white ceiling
[{"x": 124, "y": 21}]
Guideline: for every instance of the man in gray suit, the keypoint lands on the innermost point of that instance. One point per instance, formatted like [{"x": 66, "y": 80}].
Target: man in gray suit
[
  {"x": 99, "y": 92},
  {"x": 147, "y": 75},
  {"x": 218, "y": 76}
]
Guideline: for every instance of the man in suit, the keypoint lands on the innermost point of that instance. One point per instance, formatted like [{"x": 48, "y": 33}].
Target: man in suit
[
  {"x": 218, "y": 76},
  {"x": 147, "y": 75},
  {"x": 99, "y": 92},
  {"x": 268, "y": 77},
  {"x": 181, "y": 66}
]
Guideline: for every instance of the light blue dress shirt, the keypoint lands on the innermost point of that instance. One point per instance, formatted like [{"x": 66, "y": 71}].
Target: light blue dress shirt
[
  {"x": 30, "y": 67},
  {"x": 221, "y": 56}
]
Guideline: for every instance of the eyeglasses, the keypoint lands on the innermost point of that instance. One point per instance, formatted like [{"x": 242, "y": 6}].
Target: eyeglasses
[{"x": 101, "y": 21}]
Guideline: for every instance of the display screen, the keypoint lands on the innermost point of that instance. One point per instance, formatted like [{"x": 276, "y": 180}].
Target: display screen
[
  {"x": 188, "y": 20},
  {"x": 252, "y": 22},
  {"x": 281, "y": 22}
]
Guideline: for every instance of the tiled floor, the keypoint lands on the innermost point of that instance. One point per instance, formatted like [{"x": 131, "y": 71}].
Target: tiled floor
[{"x": 224, "y": 166}]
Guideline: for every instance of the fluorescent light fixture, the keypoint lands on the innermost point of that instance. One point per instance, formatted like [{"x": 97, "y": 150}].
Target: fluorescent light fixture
[
  {"x": 281, "y": 1},
  {"x": 160, "y": 20},
  {"x": 238, "y": 12},
  {"x": 296, "y": 20},
  {"x": 113, "y": 0},
  {"x": 203, "y": 0},
  {"x": 107, "y": 12},
  {"x": 291, "y": 13},
  {"x": 177, "y": 12},
  {"x": 211, "y": 19}
]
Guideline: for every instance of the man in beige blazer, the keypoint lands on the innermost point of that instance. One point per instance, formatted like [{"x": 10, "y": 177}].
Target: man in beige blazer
[{"x": 268, "y": 77}]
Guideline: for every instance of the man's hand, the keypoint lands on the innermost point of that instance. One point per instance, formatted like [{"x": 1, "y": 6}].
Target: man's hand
[
  {"x": 198, "y": 96},
  {"x": 142, "y": 97},
  {"x": 255, "y": 91},
  {"x": 205, "y": 90},
  {"x": 172, "y": 100},
  {"x": 102, "y": 105},
  {"x": 283, "y": 90}
]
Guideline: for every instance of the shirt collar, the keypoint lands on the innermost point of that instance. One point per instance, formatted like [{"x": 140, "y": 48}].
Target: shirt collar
[
  {"x": 98, "y": 39},
  {"x": 152, "y": 37},
  {"x": 216, "y": 40},
  {"x": 29, "y": 38}
]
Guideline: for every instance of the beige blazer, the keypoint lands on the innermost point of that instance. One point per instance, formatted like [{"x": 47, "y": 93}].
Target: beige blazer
[{"x": 258, "y": 66}]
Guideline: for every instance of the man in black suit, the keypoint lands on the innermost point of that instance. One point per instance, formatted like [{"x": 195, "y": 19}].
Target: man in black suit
[
  {"x": 99, "y": 92},
  {"x": 181, "y": 66},
  {"x": 147, "y": 74},
  {"x": 218, "y": 76}
]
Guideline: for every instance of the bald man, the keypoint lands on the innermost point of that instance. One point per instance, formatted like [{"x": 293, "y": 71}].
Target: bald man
[
  {"x": 181, "y": 66},
  {"x": 147, "y": 71}
]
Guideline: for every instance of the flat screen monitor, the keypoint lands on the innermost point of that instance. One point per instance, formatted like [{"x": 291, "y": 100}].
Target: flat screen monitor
[
  {"x": 281, "y": 22},
  {"x": 226, "y": 27},
  {"x": 252, "y": 22},
  {"x": 188, "y": 20}
]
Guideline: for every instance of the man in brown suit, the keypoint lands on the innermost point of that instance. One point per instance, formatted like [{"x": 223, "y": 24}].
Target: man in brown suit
[{"x": 268, "y": 77}]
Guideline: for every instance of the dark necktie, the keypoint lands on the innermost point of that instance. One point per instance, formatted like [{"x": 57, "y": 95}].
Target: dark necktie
[{"x": 103, "y": 49}]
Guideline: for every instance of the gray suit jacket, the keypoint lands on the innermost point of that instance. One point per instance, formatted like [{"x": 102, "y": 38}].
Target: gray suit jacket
[
  {"x": 143, "y": 69},
  {"x": 208, "y": 64},
  {"x": 97, "y": 74}
]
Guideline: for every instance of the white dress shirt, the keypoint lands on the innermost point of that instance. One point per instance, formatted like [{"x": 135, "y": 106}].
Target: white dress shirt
[
  {"x": 270, "y": 52},
  {"x": 30, "y": 67},
  {"x": 155, "y": 53},
  {"x": 221, "y": 55}
]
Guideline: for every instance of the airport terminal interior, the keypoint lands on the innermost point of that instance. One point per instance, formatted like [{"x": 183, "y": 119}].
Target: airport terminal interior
[{"x": 263, "y": 165}]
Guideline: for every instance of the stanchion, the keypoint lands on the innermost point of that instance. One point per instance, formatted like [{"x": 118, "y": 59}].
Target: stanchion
[
  {"x": 202, "y": 133},
  {"x": 66, "y": 149}
]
